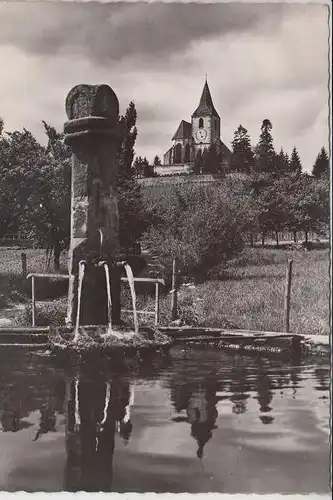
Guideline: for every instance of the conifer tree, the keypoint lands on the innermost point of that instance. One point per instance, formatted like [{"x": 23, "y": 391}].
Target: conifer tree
[
  {"x": 128, "y": 134},
  {"x": 264, "y": 152},
  {"x": 295, "y": 165},
  {"x": 131, "y": 219},
  {"x": 282, "y": 163},
  {"x": 242, "y": 159},
  {"x": 321, "y": 165}
]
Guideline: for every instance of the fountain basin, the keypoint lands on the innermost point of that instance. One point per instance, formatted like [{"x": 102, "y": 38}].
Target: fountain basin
[{"x": 99, "y": 338}]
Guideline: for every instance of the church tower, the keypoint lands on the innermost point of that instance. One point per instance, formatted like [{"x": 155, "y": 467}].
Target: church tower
[
  {"x": 192, "y": 138},
  {"x": 206, "y": 123}
]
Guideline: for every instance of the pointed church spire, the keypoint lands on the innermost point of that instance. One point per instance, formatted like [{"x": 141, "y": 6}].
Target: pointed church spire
[{"x": 206, "y": 106}]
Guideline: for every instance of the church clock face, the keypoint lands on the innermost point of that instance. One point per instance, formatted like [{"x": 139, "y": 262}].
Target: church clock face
[{"x": 201, "y": 134}]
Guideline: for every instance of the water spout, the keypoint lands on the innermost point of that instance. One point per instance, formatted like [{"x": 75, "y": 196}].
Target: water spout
[
  {"x": 130, "y": 278},
  {"x": 108, "y": 291},
  {"x": 77, "y": 419},
  {"x": 101, "y": 238},
  {"x": 110, "y": 330},
  {"x": 82, "y": 266}
]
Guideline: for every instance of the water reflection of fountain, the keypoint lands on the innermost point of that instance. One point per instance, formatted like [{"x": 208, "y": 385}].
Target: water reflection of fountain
[{"x": 96, "y": 408}]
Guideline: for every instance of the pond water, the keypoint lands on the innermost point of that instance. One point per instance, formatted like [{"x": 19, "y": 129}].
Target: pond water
[{"x": 197, "y": 421}]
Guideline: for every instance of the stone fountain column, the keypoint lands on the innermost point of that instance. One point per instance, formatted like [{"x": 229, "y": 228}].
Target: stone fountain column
[{"x": 92, "y": 133}]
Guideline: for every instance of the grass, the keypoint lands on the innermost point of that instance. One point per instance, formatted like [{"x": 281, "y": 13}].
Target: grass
[
  {"x": 15, "y": 288},
  {"x": 249, "y": 295},
  {"x": 10, "y": 261}
]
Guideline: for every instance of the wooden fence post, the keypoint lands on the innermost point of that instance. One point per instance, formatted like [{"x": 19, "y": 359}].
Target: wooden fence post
[
  {"x": 157, "y": 303},
  {"x": 24, "y": 263},
  {"x": 287, "y": 295},
  {"x": 33, "y": 301},
  {"x": 174, "y": 308}
]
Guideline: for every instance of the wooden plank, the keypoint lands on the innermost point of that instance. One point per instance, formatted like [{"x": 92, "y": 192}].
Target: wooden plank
[
  {"x": 232, "y": 338},
  {"x": 30, "y": 346},
  {"x": 24, "y": 329},
  {"x": 221, "y": 331},
  {"x": 152, "y": 313},
  {"x": 51, "y": 276},
  {"x": 146, "y": 280}
]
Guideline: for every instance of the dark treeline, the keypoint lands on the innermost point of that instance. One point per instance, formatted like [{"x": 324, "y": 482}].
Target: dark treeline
[
  {"x": 263, "y": 194},
  {"x": 202, "y": 227}
]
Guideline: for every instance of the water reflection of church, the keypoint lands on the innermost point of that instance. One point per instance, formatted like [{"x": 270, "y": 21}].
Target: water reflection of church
[{"x": 199, "y": 402}]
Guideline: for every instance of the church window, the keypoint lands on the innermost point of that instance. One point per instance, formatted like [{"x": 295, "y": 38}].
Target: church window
[
  {"x": 187, "y": 153},
  {"x": 201, "y": 123}
]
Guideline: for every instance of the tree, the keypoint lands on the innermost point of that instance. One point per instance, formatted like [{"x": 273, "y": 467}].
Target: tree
[
  {"x": 131, "y": 216},
  {"x": 197, "y": 166},
  {"x": 127, "y": 134},
  {"x": 157, "y": 161},
  {"x": 282, "y": 163},
  {"x": 202, "y": 227},
  {"x": 138, "y": 166},
  {"x": 295, "y": 165},
  {"x": 264, "y": 152},
  {"x": 148, "y": 170},
  {"x": 273, "y": 209},
  {"x": 48, "y": 222},
  {"x": 36, "y": 189},
  {"x": 321, "y": 165},
  {"x": 22, "y": 159},
  {"x": 242, "y": 159},
  {"x": 212, "y": 160},
  {"x": 310, "y": 205}
]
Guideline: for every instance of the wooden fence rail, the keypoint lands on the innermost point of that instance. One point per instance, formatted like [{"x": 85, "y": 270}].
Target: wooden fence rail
[{"x": 154, "y": 313}]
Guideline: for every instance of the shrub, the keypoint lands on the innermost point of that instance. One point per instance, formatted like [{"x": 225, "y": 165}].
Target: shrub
[
  {"x": 203, "y": 227},
  {"x": 47, "y": 313}
]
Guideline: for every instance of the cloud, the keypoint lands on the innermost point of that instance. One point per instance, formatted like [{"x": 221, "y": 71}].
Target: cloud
[
  {"x": 116, "y": 31},
  {"x": 263, "y": 61}
]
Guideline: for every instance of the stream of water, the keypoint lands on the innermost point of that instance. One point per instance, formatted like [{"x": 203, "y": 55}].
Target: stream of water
[{"x": 197, "y": 421}]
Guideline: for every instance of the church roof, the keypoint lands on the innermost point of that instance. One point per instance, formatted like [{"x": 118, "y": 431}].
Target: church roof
[
  {"x": 206, "y": 106},
  {"x": 225, "y": 150},
  {"x": 184, "y": 131}
]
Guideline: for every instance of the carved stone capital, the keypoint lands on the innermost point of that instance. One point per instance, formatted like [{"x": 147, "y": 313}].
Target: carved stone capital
[{"x": 92, "y": 110}]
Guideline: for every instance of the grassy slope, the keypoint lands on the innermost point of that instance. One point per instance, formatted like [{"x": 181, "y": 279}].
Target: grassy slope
[
  {"x": 249, "y": 297},
  {"x": 252, "y": 295}
]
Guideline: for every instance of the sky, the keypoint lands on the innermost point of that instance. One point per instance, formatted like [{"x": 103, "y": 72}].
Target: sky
[{"x": 262, "y": 61}]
